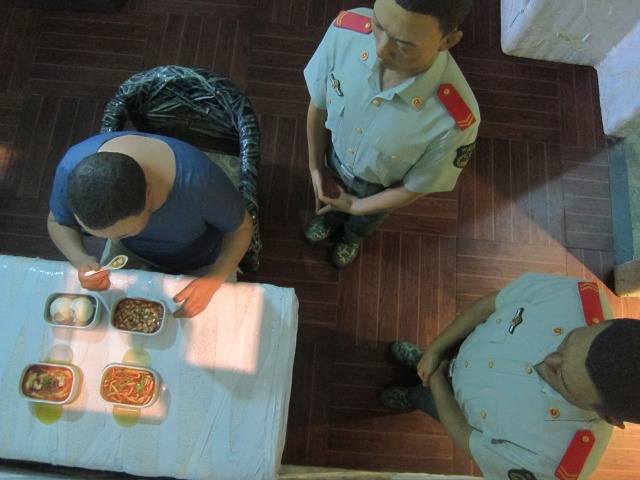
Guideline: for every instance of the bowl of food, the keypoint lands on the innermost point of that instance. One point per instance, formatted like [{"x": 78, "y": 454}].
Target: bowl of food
[
  {"x": 140, "y": 316},
  {"x": 129, "y": 386},
  {"x": 72, "y": 310},
  {"x": 54, "y": 383}
]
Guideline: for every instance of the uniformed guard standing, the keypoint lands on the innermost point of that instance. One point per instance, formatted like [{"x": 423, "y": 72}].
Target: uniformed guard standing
[
  {"x": 540, "y": 378},
  {"x": 391, "y": 116}
]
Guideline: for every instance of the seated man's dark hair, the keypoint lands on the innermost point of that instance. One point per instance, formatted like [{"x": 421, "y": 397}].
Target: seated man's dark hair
[
  {"x": 450, "y": 13},
  {"x": 613, "y": 363},
  {"x": 106, "y": 187}
]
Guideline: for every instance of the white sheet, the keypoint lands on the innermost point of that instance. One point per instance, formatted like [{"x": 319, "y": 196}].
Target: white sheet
[{"x": 226, "y": 376}]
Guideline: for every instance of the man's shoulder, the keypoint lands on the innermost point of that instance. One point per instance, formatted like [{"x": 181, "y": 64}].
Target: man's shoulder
[
  {"x": 85, "y": 147},
  {"x": 453, "y": 76},
  {"x": 552, "y": 449},
  {"x": 356, "y": 21}
]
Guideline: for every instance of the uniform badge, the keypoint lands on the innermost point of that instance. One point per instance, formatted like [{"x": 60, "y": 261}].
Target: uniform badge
[
  {"x": 456, "y": 106},
  {"x": 335, "y": 84},
  {"x": 576, "y": 455},
  {"x": 353, "y": 21},
  {"x": 520, "y": 474},
  {"x": 591, "y": 305},
  {"x": 463, "y": 154},
  {"x": 517, "y": 320}
]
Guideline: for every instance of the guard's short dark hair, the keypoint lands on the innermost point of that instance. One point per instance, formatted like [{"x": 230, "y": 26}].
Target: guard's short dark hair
[
  {"x": 450, "y": 13},
  {"x": 106, "y": 187},
  {"x": 613, "y": 363}
]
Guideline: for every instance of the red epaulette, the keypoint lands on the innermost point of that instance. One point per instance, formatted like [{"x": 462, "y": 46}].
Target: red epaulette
[
  {"x": 353, "y": 21},
  {"x": 576, "y": 455},
  {"x": 454, "y": 103},
  {"x": 591, "y": 304}
]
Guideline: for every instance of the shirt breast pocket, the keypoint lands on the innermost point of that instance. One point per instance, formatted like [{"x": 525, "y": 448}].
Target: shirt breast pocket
[
  {"x": 397, "y": 155},
  {"x": 335, "y": 115},
  {"x": 335, "y": 108}
]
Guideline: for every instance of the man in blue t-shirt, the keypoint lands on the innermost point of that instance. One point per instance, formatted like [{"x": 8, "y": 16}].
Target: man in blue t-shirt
[{"x": 157, "y": 199}]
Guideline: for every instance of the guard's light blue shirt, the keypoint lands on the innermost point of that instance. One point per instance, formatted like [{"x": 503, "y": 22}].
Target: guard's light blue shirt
[
  {"x": 402, "y": 136},
  {"x": 519, "y": 421}
]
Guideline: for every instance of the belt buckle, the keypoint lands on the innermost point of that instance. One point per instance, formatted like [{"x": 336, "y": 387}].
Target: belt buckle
[
  {"x": 346, "y": 172},
  {"x": 452, "y": 365}
]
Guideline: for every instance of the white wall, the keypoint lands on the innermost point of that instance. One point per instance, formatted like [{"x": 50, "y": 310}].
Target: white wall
[
  {"x": 619, "y": 81},
  {"x": 601, "y": 33}
]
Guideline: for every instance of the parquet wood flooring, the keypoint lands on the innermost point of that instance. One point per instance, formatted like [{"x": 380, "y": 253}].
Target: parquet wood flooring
[{"x": 535, "y": 197}]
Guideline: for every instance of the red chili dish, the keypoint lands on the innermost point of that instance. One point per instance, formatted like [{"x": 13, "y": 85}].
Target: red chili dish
[{"x": 126, "y": 385}]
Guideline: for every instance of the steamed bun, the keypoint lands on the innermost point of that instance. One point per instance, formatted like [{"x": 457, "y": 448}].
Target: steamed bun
[
  {"x": 60, "y": 310},
  {"x": 82, "y": 309}
]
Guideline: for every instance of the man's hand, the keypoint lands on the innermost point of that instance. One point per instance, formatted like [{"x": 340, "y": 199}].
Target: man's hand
[
  {"x": 451, "y": 416},
  {"x": 196, "y": 296},
  {"x": 323, "y": 184},
  {"x": 99, "y": 281},
  {"x": 439, "y": 378},
  {"x": 342, "y": 203},
  {"x": 429, "y": 363}
]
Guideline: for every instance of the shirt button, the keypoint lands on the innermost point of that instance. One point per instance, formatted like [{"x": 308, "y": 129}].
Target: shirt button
[
  {"x": 394, "y": 158},
  {"x": 483, "y": 414},
  {"x": 466, "y": 363},
  {"x": 348, "y": 165},
  {"x": 377, "y": 102},
  {"x": 498, "y": 320},
  {"x": 350, "y": 150},
  {"x": 358, "y": 130},
  {"x": 529, "y": 370},
  {"x": 490, "y": 364},
  {"x": 554, "y": 412},
  {"x": 558, "y": 330}
]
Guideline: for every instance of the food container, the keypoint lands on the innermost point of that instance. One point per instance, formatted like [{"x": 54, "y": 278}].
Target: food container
[
  {"x": 72, "y": 310},
  {"x": 54, "y": 383},
  {"x": 129, "y": 386},
  {"x": 140, "y": 316}
]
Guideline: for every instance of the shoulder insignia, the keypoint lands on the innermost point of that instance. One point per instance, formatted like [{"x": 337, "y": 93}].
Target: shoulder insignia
[
  {"x": 576, "y": 455},
  {"x": 353, "y": 21},
  {"x": 463, "y": 154},
  {"x": 454, "y": 103},
  {"x": 591, "y": 305}
]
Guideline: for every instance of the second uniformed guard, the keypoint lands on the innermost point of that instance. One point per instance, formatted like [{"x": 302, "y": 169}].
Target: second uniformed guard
[
  {"x": 538, "y": 382},
  {"x": 391, "y": 116}
]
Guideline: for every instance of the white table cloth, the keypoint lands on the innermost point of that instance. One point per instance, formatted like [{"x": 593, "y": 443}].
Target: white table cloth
[{"x": 226, "y": 377}]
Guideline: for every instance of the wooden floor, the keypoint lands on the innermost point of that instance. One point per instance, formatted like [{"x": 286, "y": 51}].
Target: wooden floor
[{"x": 535, "y": 197}]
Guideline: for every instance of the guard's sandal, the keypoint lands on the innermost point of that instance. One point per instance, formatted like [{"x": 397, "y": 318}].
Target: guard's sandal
[
  {"x": 344, "y": 254},
  {"x": 406, "y": 353},
  {"x": 396, "y": 398},
  {"x": 317, "y": 231}
]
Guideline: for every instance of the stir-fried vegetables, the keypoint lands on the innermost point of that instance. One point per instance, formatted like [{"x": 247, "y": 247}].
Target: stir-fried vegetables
[{"x": 128, "y": 386}]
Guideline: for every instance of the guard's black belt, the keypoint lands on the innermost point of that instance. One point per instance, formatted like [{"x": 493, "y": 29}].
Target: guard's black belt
[{"x": 355, "y": 185}]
